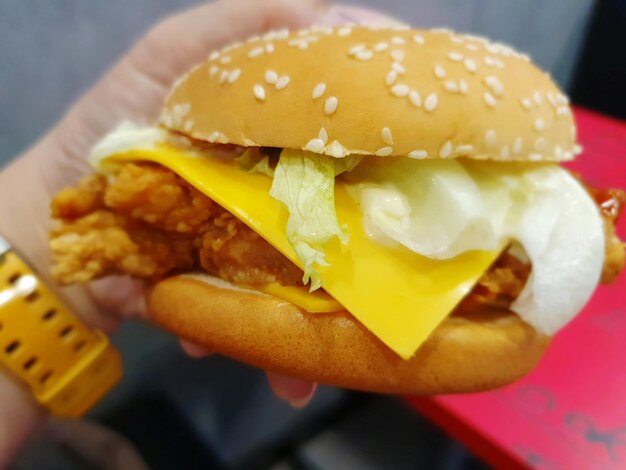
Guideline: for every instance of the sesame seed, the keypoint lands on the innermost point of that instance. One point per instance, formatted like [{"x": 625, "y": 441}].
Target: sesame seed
[
  {"x": 214, "y": 55},
  {"x": 234, "y": 75},
  {"x": 335, "y": 149},
  {"x": 441, "y": 31},
  {"x": 381, "y": 46},
  {"x": 213, "y": 70},
  {"x": 299, "y": 43},
  {"x": 254, "y": 38},
  {"x": 470, "y": 65},
  {"x": 446, "y": 149},
  {"x": 354, "y": 49},
  {"x": 364, "y": 55},
  {"x": 498, "y": 63},
  {"x": 397, "y": 40},
  {"x": 464, "y": 149},
  {"x": 577, "y": 149},
  {"x": 398, "y": 67},
  {"x": 282, "y": 33},
  {"x": 223, "y": 76},
  {"x": 269, "y": 48},
  {"x": 318, "y": 90},
  {"x": 282, "y": 82},
  {"x": 417, "y": 39},
  {"x": 562, "y": 111},
  {"x": 257, "y": 51},
  {"x": 517, "y": 145},
  {"x": 259, "y": 92},
  {"x": 303, "y": 32},
  {"x": 327, "y": 30},
  {"x": 400, "y": 90},
  {"x": 270, "y": 35},
  {"x": 271, "y": 77},
  {"x": 386, "y": 135},
  {"x": 490, "y": 138},
  {"x": 471, "y": 47},
  {"x": 489, "y": 61},
  {"x": 562, "y": 99},
  {"x": 537, "y": 98},
  {"x": 330, "y": 106},
  {"x": 526, "y": 103},
  {"x": 323, "y": 135},
  {"x": 539, "y": 124},
  {"x": 188, "y": 126},
  {"x": 455, "y": 56},
  {"x": 415, "y": 98},
  {"x": 397, "y": 55},
  {"x": 573, "y": 131},
  {"x": 494, "y": 84},
  {"x": 391, "y": 77},
  {"x": 552, "y": 99},
  {"x": 457, "y": 39},
  {"x": 418, "y": 154},
  {"x": 439, "y": 71},
  {"x": 451, "y": 86},
  {"x": 558, "y": 152},
  {"x": 224, "y": 60},
  {"x": 540, "y": 143},
  {"x": 473, "y": 37},
  {"x": 568, "y": 155},
  {"x": 504, "y": 152},
  {"x": 490, "y": 100},
  {"x": 213, "y": 137},
  {"x": 430, "y": 103},
  {"x": 534, "y": 157},
  {"x": 463, "y": 87},
  {"x": 345, "y": 31},
  {"x": 384, "y": 151},
  {"x": 315, "y": 145}
]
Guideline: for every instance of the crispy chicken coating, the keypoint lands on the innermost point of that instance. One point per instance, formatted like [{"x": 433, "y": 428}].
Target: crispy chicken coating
[{"x": 149, "y": 223}]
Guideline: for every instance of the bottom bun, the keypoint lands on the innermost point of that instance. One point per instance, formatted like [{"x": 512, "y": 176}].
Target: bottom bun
[{"x": 469, "y": 353}]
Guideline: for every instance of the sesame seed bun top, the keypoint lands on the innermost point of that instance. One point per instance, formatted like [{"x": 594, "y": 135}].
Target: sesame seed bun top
[{"x": 372, "y": 91}]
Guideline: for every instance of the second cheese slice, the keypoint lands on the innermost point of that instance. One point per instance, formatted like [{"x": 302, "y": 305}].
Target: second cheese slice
[{"x": 400, "y": 296}]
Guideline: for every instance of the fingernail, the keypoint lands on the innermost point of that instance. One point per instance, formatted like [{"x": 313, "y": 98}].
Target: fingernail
[
  {"x": 340, "y": 14},
  {"x": 193, "y": 350},
  {"x": 300, "y": 402}
]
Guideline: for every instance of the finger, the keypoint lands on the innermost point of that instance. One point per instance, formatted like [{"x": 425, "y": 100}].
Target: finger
[
  {"x": 136, "y": 87},
  {"x": 121, "y": 296},
  {"x": 201, "y": 30},
  {"x": 194, "y": 350},
  {"x": 19, "y": 417},
  {"x": 296, "y": 392},
  {"x": 341, "y": 14}
]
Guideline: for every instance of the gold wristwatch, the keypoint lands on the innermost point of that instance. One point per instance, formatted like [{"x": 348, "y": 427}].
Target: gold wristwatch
[{"x": 67, "y": 366}]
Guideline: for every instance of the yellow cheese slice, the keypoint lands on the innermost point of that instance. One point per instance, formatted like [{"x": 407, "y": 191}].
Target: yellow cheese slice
[
  {"x": 398, "y": 295},
  {"x": 314, "y": 302}
]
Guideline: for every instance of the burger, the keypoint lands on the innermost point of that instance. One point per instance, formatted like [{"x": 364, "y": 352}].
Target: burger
[{"x": 375, "y": 208}]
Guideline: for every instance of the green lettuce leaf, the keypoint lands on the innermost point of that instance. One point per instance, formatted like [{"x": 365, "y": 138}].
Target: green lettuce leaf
[
  {"x": 305, "y": 184},
  {"x": 254, "y": 161}
]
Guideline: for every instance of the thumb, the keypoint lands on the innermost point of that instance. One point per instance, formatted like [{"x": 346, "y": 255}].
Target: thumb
[{"x": 136, "y": 87}]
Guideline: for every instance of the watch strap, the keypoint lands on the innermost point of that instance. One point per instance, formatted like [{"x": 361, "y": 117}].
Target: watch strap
[{"x": 68, "y": 366}]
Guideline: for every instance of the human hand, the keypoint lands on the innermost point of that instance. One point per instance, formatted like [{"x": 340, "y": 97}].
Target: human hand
[{"x": 133, "y": 89}]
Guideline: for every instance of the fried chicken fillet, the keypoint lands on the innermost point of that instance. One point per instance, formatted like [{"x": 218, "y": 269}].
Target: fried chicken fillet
[{"x": 150, "y": 223}]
